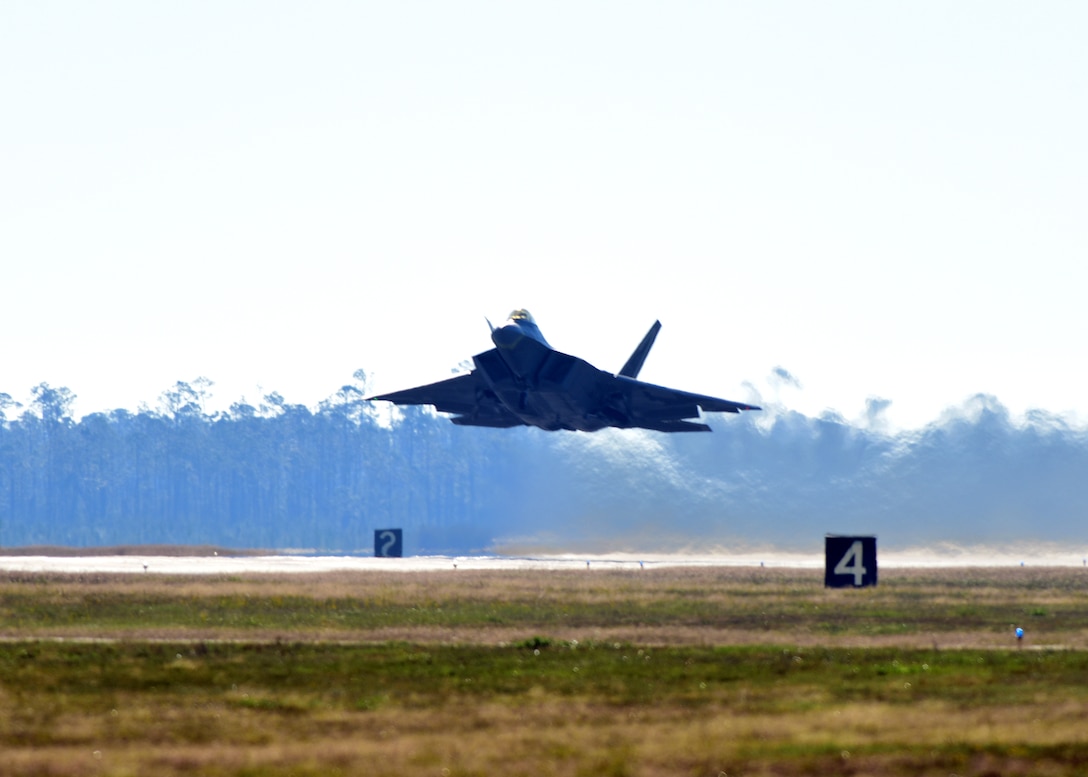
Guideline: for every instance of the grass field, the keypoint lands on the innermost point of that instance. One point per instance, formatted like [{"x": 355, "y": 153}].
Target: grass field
[{"x": 699, "y": 671}]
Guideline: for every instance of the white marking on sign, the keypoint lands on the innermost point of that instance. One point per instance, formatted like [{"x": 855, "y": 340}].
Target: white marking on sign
[
  {"x": 852, "y": 556},
  {"x": 390, "y": 540}
]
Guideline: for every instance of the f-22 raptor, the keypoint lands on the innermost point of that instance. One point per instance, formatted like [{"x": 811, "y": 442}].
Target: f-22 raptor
[{"x": 523, "y": 381}]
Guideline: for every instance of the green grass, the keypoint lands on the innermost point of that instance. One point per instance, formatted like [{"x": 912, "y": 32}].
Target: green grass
[
  {"x": 671, "y": 672},
  {"x": 138, "y": 698},
  {"x": 409, "y": 675},
  {"x": 767, "y": 602}
]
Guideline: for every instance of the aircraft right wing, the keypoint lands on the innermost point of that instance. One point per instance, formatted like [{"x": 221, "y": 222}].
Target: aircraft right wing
[
  {"x": 667, "y": 410},
  {"x": 466, "y": 396}
]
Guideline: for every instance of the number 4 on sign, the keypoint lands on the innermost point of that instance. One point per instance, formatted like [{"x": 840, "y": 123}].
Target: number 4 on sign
[{"x": 852, "y": 563}]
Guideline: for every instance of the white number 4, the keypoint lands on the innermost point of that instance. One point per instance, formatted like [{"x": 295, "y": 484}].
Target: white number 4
[{"x": 851, "y": 564}]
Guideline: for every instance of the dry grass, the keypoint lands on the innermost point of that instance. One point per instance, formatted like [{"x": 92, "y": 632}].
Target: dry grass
[
  {"x": 564, "y": 737},
  {"x": 861, "y": 682},
  {"x": 675, "y": 606}
]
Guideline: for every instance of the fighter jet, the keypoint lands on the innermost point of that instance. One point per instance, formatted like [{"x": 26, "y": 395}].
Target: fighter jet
[{"x": 523, "y": 381}]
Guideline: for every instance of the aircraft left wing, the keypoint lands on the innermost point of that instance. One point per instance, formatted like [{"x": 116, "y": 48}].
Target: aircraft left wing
[{"x": 466, "y": 396}]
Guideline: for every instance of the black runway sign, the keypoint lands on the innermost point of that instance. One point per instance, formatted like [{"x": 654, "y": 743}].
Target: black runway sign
[
  {"x": 850, "y": 562},
  {"x": 388, "y": 543}
]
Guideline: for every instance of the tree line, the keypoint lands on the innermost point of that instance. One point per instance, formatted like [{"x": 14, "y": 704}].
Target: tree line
[{"x": 275, "y": 475}]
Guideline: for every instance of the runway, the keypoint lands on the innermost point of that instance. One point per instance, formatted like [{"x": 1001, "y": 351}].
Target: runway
[{"x": 134, "y": 563}]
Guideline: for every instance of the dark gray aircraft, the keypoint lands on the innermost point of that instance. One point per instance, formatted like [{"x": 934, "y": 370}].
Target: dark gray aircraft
[{"x": 523, "y": 381}]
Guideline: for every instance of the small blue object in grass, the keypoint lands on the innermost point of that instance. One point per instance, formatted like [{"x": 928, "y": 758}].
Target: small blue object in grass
[{"x": 1019, "y": 633}]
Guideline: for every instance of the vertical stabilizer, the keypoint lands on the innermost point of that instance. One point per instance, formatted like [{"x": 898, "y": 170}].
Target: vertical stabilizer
[{"x": 634, "y": 364}]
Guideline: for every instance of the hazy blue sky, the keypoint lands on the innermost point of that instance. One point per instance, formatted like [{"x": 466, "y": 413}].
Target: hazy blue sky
[{"x": 881, "y": 199}]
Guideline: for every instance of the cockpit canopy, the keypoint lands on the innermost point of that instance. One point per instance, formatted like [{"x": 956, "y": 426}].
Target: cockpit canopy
[
  {"x": 522, "y": 321},
  {"x": 521, "y": 314}
]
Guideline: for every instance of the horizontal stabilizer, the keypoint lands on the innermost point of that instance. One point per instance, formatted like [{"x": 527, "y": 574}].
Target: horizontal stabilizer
[{"x": 634, "y": 365}]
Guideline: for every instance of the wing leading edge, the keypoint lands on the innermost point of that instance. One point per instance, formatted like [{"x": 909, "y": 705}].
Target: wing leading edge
[{"x": 466, "y": 396}]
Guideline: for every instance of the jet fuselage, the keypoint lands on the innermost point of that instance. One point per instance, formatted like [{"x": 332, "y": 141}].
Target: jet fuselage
[
  {"x": 523, "y": 381},
  {"x": 536, "y": 383}
]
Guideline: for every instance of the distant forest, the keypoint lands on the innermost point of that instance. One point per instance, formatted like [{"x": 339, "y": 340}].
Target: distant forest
[
  {"x": 284, "y": 476},
  {"x": 276, "y": 475}
]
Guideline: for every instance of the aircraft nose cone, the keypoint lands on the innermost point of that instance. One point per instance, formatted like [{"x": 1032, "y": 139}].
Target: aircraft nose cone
[{"x": 506, "y": 336}]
